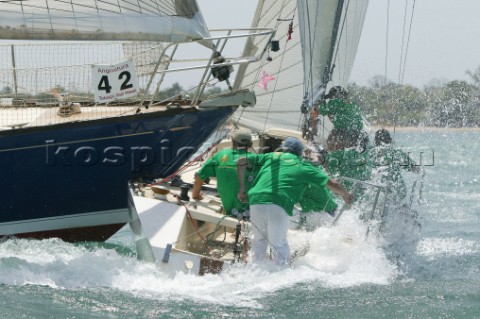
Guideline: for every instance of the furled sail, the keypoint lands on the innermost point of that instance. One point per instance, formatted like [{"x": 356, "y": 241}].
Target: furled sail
[
  {"x": 330, "y": 32},
  {"x": 146, "y": 20}
]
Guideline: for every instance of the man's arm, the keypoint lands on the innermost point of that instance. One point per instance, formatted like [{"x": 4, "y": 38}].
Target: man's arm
[
  {"x": 197, "y": 187},
  {"x": 208, "y": 170},
  {"x": 338, "y": 188}
]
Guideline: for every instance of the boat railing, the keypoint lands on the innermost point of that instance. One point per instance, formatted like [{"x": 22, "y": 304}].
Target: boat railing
[
  {"x": 211, "y": 63},
  {"x": 47, "y": 82},
  {"x": 376, "y": 212}
]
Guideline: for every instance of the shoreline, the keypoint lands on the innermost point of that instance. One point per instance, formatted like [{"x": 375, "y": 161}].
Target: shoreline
[{"x": 374, "y": 128}]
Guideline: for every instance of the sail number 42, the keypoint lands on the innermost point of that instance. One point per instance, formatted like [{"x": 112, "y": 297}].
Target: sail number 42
[
  {"x": 105, "y": 83},
  {"x": 114, "y": 82}
]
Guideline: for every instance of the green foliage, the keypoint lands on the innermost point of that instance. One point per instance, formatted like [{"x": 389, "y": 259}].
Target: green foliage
[
  {"x": 170, "y": 92},
  {"x": 212, "y": 91},
  {"x": 453, "y": 104},
  {"x": 6, "y": 90},
  {"x": 475, "y": 75},
  {"x": 46, "y": 98}
]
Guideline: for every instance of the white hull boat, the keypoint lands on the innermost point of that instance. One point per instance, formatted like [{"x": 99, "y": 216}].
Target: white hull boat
[{"x": 195, "y": 236}]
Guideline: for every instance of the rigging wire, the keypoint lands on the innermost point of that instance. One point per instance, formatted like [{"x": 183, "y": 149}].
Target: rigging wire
[
  {"x": 386, "y": 40},
  {"x": 264, "y": 57},
  {"x": 340, "y": 36},
  {"x": 197, "y": 229},
  {"x": 309, "y": 85},
  {"x": 403, "y": 55},
  {"x": 408, "y": 40},
  {"x": 306, "y": 120},
  {"x": 257, "y": 75},
  {"x": 344, "y": 41},
  {"x": 187, "y": 164},
  {"x": 279, "y": 69},
  {"x": 403, "y": 41}
]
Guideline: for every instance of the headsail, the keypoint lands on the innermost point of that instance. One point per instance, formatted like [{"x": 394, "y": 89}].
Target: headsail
[
  {"x": 330, "y": 32},
  {"x": 324, "y": 39},
  {"x": 278, "y": 105},
  {"x": 147, "y": 20}
]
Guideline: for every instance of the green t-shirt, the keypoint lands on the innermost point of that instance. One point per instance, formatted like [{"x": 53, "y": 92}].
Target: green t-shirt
[
  {"x": 223, "y": 166},
  {"x": 282, "y": 179},
  {"x": 349, "y": 163},
  {"x": 317, "y": 199},
  {"x": 389, "y": 162},
  {"x": 344, "y": 114}
]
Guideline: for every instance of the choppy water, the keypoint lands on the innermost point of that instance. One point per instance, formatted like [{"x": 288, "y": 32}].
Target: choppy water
[{"x": 344, "y": 275}]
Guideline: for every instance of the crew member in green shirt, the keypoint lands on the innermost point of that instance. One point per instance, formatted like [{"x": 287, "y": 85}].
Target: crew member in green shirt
[
  {"x": 343, "y": 112},
  {"x": 389, "y": 161},
  {"x": 223, "y": 166},
  {"x": 345, "y": 115},
  {"x": 343, "y": 159},
  {"x": 280, "y": 183},
  {"x": 318, "y": 199}
]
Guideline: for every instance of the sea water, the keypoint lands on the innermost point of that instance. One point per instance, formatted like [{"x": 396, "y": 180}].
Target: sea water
[{"x": 345, "y": 274}]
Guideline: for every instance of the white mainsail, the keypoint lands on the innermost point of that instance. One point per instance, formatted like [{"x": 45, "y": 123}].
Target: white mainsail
[
  {"x": 320, "y": 54},
  {"x": 146, "y": 20}
]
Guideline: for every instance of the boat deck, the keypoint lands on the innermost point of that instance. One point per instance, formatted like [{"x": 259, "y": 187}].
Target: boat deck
[
  {"x": 17, "y": 117},
  {"x": 183, "y": 235}
]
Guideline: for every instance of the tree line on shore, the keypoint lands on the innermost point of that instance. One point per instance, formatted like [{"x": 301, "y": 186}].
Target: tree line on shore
[
  {"x": 383, "y": 102},
  {"x": 451, "y": 104}
]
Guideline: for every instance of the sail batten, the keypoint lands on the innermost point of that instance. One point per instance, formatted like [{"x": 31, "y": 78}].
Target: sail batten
[{"x": 108, "y": 20}]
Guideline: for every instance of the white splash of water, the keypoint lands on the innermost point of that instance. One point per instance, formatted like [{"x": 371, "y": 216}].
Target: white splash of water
[
  {"x": 433, "y": 247},
  {"x": 339, "y": 256}
]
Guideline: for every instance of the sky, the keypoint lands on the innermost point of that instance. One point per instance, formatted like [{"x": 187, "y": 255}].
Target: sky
[{"x": 443, "y": 44}]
